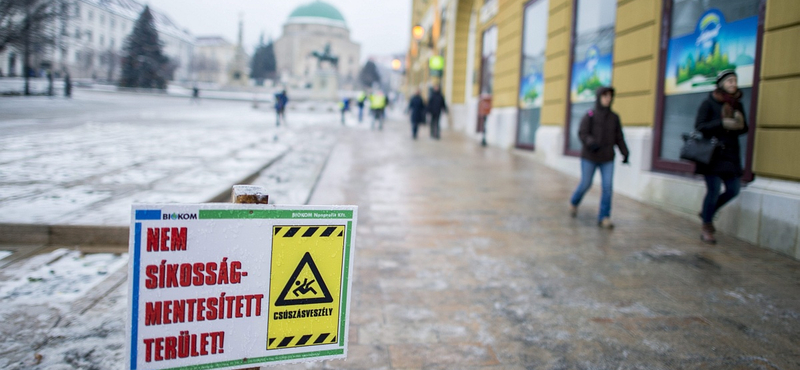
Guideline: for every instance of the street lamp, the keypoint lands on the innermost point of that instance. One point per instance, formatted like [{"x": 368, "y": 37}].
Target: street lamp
[
  {"x": 396, "y": 64},
  {"x": 418, "y": 32}
]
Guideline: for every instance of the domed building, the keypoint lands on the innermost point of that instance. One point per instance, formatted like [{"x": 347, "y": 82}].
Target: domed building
[{"x": 310, "y": 28}]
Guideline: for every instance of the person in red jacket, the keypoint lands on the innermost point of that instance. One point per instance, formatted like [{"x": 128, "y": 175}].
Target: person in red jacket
[{"x": 600, "y": 131}]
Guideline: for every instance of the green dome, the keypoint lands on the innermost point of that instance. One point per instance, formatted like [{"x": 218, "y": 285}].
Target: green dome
[{"x": 317, "y": 9}]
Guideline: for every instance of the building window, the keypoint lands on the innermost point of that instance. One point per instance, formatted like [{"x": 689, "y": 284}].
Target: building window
[
  {"x": 77, "y": 33},
  {"x": 531, "y": 86},
  {"x": 111, "y": 23},
  {"x": 89, "y": 36},
  {"x": 102, "y": 40},
  {"x": 704, "y": 37},
  {"x": 90, "y": 15},
  {"x": 111, "y": 44},
  {"x": 77, "y": 10},
  {"x": 592, "y": 62},
  {"x": 102, "y": 19}
]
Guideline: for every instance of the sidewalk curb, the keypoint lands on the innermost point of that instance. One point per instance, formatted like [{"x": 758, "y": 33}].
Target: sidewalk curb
[
  {"x": 94, "y": 235},
  {"x": 63, "y": 234}
]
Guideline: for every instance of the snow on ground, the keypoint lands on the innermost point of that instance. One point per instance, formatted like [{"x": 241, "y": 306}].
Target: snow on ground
[
  {"x": 38, "y": 317},
  {"x": 4, "y": 254},
  {"x": 87, "y": 166},
  {"x": 85, "y": 161},
  {"x": 70, "y": 275}
]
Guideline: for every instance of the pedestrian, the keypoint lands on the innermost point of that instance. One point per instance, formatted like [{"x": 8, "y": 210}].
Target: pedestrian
[
  {"x": 67, "y": 86},
  {"x": 416, "y": 108},
  {"x": 195, "y": 95},
  {"x": 362, "y": 96},
  {"x": 436, "y": 105},
  {"x": 280, "y": 107},
  {"x": 377, "y": 104},
  {"x": 721, "y": 116},
  {"x": 600, "y": 131},
  {"x": 344, "y": 106}
]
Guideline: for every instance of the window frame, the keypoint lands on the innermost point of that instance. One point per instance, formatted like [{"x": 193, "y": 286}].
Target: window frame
[
  {"x": 573, "y": 43},
  {"x": 568, "y": 113},
  {"x": 687, "y": 168},
  {"x": 517, "y": 144}
]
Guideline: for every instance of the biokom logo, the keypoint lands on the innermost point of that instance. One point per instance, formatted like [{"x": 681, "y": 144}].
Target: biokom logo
[
  {"x": 179, "y": 216},
  {"x": 157, "y": 214}
]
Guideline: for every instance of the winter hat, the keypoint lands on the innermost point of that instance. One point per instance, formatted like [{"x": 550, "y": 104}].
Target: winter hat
[{"x": 723, "y": 75}]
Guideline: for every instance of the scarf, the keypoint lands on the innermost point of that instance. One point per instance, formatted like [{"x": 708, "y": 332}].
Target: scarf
[{"x": 728, "y": 100}]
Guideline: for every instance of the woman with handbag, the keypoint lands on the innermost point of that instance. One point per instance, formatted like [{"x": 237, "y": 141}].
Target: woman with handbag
[{"x": 721, "y": 116}]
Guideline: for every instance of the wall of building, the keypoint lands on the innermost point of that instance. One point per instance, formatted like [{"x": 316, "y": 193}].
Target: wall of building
[{"x": 776, "y": 147}]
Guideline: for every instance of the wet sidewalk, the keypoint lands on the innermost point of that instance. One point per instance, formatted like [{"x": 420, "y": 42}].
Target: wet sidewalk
[{"x": 466, "y": 258}]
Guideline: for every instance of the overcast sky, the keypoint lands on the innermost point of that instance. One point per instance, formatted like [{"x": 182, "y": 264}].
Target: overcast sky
[{"x": 380, "y": 26}]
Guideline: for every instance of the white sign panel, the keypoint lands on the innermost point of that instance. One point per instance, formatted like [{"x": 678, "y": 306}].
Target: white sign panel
[{"x": 230, "y": 286}]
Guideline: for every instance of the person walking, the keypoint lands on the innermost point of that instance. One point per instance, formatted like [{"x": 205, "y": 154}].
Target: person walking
[
  {"x": 280, "y": 107},
  {"x": 195, "y": 95},
  {"x": 67, "y": 86},
  {"x": 362, "y": 96},
  {"x": 721, "y": 116},
  {"x": 599, "y": 132},
  {"x": 344, "y": 106},
  {"x": 436, "y": 105},
  {"x": 416, "y": 108},
  {"x": 377, "y": 104}
]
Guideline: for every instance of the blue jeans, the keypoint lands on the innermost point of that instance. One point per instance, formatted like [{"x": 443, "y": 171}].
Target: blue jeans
[
  {"x": 713, "y": 200},
  {"x": 587, "y": 173}
]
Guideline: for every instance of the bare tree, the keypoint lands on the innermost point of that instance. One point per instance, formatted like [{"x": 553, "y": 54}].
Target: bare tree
[{"x": 27, "y": 25}]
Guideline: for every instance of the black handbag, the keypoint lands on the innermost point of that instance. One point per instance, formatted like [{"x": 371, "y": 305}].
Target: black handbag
[{"x": 697, "y": 148}]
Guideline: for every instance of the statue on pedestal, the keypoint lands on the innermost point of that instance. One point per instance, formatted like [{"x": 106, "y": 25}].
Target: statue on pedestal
[{"x": 326, "y": 81}]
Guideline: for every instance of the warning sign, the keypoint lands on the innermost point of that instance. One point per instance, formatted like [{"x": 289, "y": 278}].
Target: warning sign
[
  {"x": 305, "y": 290},
  {"x": 227, "y": 286}
]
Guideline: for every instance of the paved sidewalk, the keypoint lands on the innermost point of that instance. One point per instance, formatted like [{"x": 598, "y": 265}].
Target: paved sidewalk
[{"x": 466, "y": 258}]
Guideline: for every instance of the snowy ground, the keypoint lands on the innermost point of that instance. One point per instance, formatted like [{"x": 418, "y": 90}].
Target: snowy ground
[
  {"x": 87, "y": 165},
  {"x": 85, "y": 160}
]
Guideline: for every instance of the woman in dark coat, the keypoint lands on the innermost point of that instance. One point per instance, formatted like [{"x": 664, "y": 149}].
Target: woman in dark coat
[
  {"x": 416, "y": 106},
  {"x": 721, "y": 116}
]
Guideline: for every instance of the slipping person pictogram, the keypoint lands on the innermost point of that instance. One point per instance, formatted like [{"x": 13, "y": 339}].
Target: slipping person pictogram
[{"x": 305, "y": 286}]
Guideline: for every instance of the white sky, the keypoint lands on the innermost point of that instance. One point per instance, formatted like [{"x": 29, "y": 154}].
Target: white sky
[{"x": 380, "y": 26}]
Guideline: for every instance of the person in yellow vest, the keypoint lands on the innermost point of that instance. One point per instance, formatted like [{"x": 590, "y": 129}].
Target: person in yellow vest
[
  {"x": 362, "y": 96},
  {"x": 377, "y": 104}
]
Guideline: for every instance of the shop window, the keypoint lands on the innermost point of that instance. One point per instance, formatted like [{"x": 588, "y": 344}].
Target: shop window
[
  {"x": 592, "y": 62},
  {"x": 531, "y": 86},
  {"x": 704, "y": 37}
]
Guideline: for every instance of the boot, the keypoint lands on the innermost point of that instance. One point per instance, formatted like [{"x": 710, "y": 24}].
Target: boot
[
  {"x": 707, "y": 234},
  {"x": 606, "y": 223},
  {"x": 573, "y": 211},
  {"x": 710, "y": 225}
]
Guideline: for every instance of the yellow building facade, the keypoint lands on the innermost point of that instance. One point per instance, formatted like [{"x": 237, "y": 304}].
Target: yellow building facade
[{"x": 539, "y": 61}]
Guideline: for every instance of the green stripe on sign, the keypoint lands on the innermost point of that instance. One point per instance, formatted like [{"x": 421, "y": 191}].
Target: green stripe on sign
[
  {"x": 211, "y": 214},
  {"x": 346, "y": 275},
  {"x": 259, "y": 360}
]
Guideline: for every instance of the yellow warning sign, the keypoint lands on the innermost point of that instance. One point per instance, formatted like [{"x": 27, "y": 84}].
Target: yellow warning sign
[{"x": 305, "y": 285}]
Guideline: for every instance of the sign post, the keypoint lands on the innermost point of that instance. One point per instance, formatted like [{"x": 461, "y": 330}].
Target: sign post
[{"x": 232, "y": 286}]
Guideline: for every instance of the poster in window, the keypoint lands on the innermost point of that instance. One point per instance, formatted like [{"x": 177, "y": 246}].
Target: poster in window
[
  {"x": 695, "y": 59},
  {"x": 531, "y": 87},
  {"x": 590, "y": 72}
]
